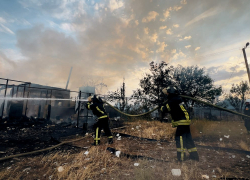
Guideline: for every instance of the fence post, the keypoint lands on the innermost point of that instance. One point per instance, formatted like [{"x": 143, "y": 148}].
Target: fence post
[
  {"x": 26, "y": 106},
  {"x": 5, "y": 94},
  {"x": 17, "y": 90},
  {"x": 80, "y": 93}
]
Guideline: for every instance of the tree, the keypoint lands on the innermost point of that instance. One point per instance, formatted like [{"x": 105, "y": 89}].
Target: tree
[
  {"x": 192, "y": 81},
  {"x": 238, "y": 94},
  {"x": 119, "y": 97},
  {"x": 150, "y": 94}
]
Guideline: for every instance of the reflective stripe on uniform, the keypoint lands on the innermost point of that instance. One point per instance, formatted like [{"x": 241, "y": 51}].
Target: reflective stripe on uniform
[
  {"x": 88, "y": 106},
  {"x": 99, "y": 109},
  {"x": 162, "y": 108},
  {"x": 181, "y": 122},
  {"x": 110, "y": 137},
  {"x": 168, "y": 107},
  {"x": 182, "y": 149},
  {"x": 103, "y": 117},
  {"x": 96, "y": 136},
  {"x": 185, "y": 112},
  {"x": 192, "y": 149}
]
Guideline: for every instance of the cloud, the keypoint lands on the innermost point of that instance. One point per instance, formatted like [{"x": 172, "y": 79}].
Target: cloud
[
  {"x": 67, "y": 27},
  {"x": 188, "y": 46},
  {"x": 6, "y": 64},
  {"x": 183, "y": 1},
  {"x": 2, "y": 20},
  {"x": 179, "y": 55},
  {"x": 162, "y": 46},
  {"x": 177, "y": 8},
  {"x": 176, "y": 25},
  {"x": 185, "y": 38},
  {"x": 210, "y": 12},
  {"x": 166, "y": 14},
  {"x": 13, "y": 55},
  {"x": 136, "y": 22},
  {"x": 151, "y": 16},
  {"x": 5, "y": 29},
  {"x": 109, "y": 40},
  {"x": 154, "y": 37},
  {"x": 115, "y": 4},
  {"x": 169, "y": 31},
  {"x": 173, "y": 51},
  {"x": 163, "y": 27},
  {"x": 146, "y": 30}
]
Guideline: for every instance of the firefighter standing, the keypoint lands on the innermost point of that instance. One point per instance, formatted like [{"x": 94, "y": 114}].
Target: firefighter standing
[
  {"x": 96, "y": 105},
  {"x": 181, "y": 120},
  {"x": 247, "y": 112}
]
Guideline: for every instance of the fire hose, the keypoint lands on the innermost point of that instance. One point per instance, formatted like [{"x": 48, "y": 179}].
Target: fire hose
[
  {"x": 209, "y": 104},
  {"x": 130, "y": 115}
]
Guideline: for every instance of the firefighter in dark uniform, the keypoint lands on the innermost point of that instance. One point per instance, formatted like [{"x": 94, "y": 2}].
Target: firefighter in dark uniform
[
  {"x": 247, "y": 112},
  {"x": 181, "y": 120},
  {"x": 96, "y": 105}
]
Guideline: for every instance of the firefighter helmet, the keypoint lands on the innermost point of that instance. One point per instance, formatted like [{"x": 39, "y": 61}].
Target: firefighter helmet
[
  {"x": 247, "y": 101},
  {"x": 170, "y": 90}
]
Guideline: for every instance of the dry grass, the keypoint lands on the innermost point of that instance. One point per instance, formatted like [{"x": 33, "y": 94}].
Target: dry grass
[
  {"x": 150, "y": 129},
  {"x": 244, "y": 145},
  {"x": 101, "y": 164}
]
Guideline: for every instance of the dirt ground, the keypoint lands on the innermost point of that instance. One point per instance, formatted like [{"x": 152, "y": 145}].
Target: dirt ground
[{"x": 220, "y": 158}]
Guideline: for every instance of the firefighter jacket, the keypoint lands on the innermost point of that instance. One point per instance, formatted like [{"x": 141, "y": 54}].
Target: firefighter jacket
[
  {"x": 97, "y": 108},
  {"x": 175, "y": 106},
  {"x": 247, "y": 110}
]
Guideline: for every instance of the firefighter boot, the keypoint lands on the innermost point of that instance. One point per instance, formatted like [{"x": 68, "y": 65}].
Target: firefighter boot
[{"x": 194, "y": 156}]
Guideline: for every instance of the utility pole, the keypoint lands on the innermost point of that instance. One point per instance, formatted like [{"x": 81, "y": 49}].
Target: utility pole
[{"x": 245, "y": 57}]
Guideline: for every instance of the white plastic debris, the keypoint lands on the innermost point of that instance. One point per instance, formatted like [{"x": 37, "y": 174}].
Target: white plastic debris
[
  {"x": 137, "y": 127},
  {"x": 200, "y": 132},
  {"x": 87, "y": 134},
  {"x": 86, "y": 153},
  {"x": 226, "y": 136},
  {"x": 118, "y": 135},
  {"x": 213, "y": 171},
  {"x": 248, "y": 156},
  {"x": 119, "y": 138},
  {"x": 233, "y": 156},
  {"x": 176, "y": 172},
  {"x": 220, "y": 139},
  {"x": 205, "y": 177},
  {"x": 117, "y": 153},
  {"x": 60, "y": 169},
  {"x": 132, "y": 128},
  {"x": 213, "y": 176},
  {"x": 158, "y": 144},
  {"x": 8, "y": 168},
  {"x": 136, "y": 164}
]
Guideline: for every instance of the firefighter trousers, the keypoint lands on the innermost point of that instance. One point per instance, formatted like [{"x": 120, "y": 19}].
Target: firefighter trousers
[
  {"x": 185, "y": 141},
  {"x": 98, "y": 126},
  {"x": 247, "y": 124}
]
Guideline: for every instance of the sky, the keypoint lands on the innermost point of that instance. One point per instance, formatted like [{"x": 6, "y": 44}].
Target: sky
[{"x": 107, "y": 41}]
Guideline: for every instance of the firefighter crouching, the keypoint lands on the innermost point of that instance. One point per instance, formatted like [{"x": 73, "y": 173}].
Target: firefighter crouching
[
  {"x": 181, "y": 120},
  {"x": 247, "y": 112},
  {"x": 96, "y": 105}
]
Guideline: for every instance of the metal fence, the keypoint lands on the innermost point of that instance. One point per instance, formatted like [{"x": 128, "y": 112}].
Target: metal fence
[
  {"x": 26, "y": 99},
  {"x": 19, "y": 99}
]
